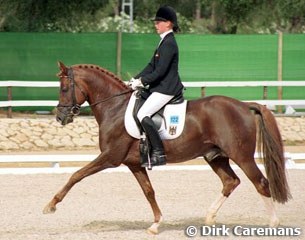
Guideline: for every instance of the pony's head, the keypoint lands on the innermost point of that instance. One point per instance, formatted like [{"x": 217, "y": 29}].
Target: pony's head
[{"x": 71, "y": 96}]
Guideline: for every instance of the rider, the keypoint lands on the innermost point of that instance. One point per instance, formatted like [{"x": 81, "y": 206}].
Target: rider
[{"x": 162, "y": 79}]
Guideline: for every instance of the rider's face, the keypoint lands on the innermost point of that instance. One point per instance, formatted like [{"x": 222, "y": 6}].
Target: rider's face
[{"x": 162, "y": 26}]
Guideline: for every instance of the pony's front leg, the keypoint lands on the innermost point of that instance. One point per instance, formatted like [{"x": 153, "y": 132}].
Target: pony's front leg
[
  {"x": 95, "y": 166},
  {"x": 141, "y": 175}
]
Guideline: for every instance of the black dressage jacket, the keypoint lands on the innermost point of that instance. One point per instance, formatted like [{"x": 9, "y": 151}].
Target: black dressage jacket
[{"x": 161, "y": 74}]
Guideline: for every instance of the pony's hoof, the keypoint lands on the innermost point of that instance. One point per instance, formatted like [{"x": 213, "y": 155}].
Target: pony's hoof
[
  {"x": 210, "y": 220},
  {"x": 49, "y": 209},
  {"x": 274, "y": 223},
  {"x": 152, "y": 231}
]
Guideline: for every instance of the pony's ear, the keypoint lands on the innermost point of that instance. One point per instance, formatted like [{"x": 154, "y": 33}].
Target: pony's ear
[{"x": 62, "y": 68}]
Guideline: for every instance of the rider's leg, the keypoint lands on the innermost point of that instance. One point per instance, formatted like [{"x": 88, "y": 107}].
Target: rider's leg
[
  {"x": 157, "y": 155},
  {"x": 153, "y": 104}
]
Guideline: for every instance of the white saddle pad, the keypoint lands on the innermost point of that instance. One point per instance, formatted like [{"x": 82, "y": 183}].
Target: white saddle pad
[{"x": 172, "y": 124}]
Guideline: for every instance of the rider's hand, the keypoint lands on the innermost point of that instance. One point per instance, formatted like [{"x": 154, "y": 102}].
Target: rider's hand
[
  {"x": 135, "y": 83},
  {"x": 130, "y": 81}
]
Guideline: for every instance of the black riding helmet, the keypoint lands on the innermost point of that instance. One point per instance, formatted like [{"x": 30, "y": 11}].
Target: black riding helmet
[{"x": 167, "y": 13}]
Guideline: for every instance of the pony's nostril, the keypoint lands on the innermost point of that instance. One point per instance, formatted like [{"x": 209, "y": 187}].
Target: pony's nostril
[{"x": 58, "y": 119}]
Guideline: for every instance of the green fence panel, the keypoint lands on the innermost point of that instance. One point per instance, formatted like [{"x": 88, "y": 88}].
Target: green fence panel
[
  {"x": 137, "y": 50},
  {"x": 294, "y": 64},
  {"x": 34, "y": 56},
  {"x": 228, "y": 58}
]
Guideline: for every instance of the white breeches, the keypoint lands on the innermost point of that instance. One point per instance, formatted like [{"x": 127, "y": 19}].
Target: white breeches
[{"x": 153, "y": 104}]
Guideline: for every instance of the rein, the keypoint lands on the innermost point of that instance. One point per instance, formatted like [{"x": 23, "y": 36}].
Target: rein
[
  {"x": 113, "y": 96},
  {"x": 75, "y": 108}
]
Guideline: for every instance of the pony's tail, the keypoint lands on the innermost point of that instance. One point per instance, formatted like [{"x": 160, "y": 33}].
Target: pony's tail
[{"x": 271, "y": 145}]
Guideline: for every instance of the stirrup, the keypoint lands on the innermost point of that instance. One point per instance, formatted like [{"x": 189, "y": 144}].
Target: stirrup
[
  {"x": 212, "y": 154},
  {"x": 157, "y": 158}
]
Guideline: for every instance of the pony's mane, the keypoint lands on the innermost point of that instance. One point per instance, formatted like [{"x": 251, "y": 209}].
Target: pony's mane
[{"x": 102, "y": 70}]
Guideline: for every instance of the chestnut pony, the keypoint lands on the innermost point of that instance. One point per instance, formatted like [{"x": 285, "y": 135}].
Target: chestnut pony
[{"x": 214, "y": 121}]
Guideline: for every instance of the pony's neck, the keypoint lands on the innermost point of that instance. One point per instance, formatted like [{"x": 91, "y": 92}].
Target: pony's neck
[
  {"x": 100, "y": 83},
  {"x": 102, "y": 88}
]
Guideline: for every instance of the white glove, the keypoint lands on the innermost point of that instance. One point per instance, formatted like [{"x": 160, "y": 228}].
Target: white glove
[
  {"x": 135, "y": 83},
  {"x": 130, "y": 82}
]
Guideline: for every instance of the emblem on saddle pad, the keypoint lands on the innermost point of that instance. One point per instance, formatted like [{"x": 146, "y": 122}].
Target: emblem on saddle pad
[
  {"x": 172, "y": 130},
  {"x": 172, "y": 121}
]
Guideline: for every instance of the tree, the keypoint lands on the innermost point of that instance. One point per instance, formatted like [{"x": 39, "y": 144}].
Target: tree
[
  {"x": 200, "y": 16},
  {"x": 292, "y": 12},
  {"x": 44, "y": 15}
]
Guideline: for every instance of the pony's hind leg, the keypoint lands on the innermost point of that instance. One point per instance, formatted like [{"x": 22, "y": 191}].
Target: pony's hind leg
[
  {"x": 262, "y": 186},
  {"x": 140, "y": 174},
  {"x": 229, "y": 180}
]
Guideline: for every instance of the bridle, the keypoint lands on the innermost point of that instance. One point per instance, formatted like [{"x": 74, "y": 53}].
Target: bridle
[{"x": 75, "y": 107}]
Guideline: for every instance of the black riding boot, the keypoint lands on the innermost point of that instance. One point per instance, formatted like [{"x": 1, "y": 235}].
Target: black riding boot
[{"x": 157, "y": 155}]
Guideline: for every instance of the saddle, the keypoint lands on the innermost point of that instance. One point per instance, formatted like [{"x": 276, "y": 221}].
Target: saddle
[
  {"x": 158, "y": 117},
  {"x": 169, "y": 120}
]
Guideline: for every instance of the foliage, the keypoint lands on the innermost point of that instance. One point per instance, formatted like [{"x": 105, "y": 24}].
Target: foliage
[{"x": 199, "y": 16}]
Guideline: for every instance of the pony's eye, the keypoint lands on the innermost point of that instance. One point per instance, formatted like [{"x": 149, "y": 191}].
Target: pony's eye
[{"x": 64, "y": 87}]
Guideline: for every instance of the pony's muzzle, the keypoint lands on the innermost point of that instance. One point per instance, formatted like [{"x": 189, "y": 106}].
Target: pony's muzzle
[
  {"x": 64, "y": 120},
  {"x": 64, "y": 116}
]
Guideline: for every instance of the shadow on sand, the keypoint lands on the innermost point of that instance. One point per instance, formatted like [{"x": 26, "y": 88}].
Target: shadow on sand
[{"x": 179, "y": 225}]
